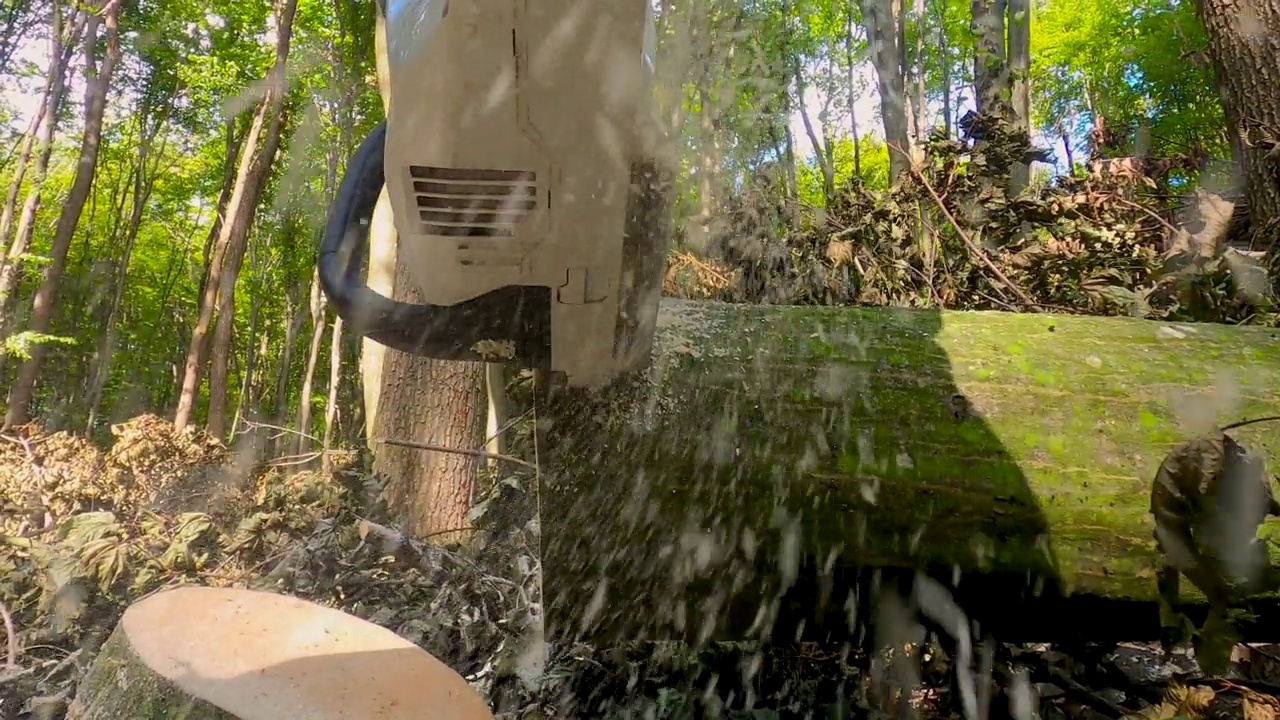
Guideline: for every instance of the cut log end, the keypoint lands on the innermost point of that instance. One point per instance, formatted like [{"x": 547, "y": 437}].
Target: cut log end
[{"x": 227, "y": 654}]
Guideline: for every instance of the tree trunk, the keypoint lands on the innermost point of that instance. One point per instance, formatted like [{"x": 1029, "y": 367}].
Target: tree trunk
[
  {"x": 44, "y": 150},
  {"x": 256, "y": 346},
  {"x": 1244, "y": 42},
  {"x": 244, "y": 207},
  {"x": 59, "y": 56},
  {"x": 1020, "y": 78},
  {"x": 297, "y": 314},
  {"x": 990, "y": 69},
  {"x": 97, "y": 82},
  {"x": 335, "y": 382},
  {"x": 381, "y": 279},
  {"x": 800, "y": 445},
  {"x": 203, "y": 653},
  {"x": 380, "y": 276},
  {"x": 439, "y": 403},
  {"x": 144, "y": 183},
  {"x": 881, "y": 26},
  {"x": 922, "y": 29},
  {"x": 853, "y": 94},
  {"x": 303, "y": 420},
  {"x": 944, "y": 52}
]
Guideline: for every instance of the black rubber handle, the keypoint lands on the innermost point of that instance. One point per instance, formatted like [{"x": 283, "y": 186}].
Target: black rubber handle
[{"x": 519, "y": 314}]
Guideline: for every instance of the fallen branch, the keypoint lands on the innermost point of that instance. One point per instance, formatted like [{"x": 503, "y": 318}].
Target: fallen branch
[
  {"x": 458, "y": 451},
  {"x": 974, "y": 249}
]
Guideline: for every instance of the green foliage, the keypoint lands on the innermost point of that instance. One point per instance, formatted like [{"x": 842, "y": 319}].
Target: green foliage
[
  {"x": 1131, "y": 64},
  {"x": 873, "y": 161}
]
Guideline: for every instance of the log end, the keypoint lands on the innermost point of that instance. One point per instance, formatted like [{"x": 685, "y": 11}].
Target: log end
[{"x": 228, "y": 654}]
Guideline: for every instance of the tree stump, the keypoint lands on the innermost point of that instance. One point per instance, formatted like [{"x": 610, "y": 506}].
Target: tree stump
[{"x": 204, "y": 653}]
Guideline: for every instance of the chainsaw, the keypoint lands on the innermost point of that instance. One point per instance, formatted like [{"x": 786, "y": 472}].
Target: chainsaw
[{"x": 521, "y": 156}]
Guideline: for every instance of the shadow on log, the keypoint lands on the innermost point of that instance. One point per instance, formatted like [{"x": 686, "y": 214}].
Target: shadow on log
[{"x": 777, "y": 465}]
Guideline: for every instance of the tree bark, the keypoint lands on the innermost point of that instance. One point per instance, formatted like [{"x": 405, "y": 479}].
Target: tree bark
[
  {"x": 205, "y": 653},
  {"x": 1244, "y": 41},
  {"x": 44, "y": 150},
  {"x": 144, "y": 183},
  {"x": 303, "y": 420},
  {"x": 853, "y": 94},
  {"x": 244, "y": 204},
  {"x": 790, "y": 448},
  {"x": 97, "y": 82},
  {"x": 335, "y": 382},
  {"x": 990, "y": 67},
  {"x": 296, "y": 312},
  {"x": 1020, "y": 81},
  {"x": 59, "y": 56},
  {"x": 882, "y": 33}
]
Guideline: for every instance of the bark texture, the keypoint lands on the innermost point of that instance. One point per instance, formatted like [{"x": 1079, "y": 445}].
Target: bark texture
[
  {"x": 1244, "y": 42},
  {"x": 98, "y": 76},
  {"x": 434, "y": 402},
  {"x": 774, "y": 454},
  {"x": 883, "y": 29}
]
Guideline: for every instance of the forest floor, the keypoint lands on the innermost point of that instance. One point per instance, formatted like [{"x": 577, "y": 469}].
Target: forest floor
[{"x": 161, "y": 508}]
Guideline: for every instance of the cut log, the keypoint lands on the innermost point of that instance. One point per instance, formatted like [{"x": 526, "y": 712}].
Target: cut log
[
  {"x": 773, "y": 457},
  {"x": 224, "y": 654}
]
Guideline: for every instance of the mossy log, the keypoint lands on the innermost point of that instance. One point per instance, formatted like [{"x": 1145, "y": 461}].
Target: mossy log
[
  {"x": 203, "y": 653},
  {"x": 773, "y": 457}
]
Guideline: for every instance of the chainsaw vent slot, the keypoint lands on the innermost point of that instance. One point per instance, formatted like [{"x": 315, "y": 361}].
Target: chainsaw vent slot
[{"x": 463, "y": 202}]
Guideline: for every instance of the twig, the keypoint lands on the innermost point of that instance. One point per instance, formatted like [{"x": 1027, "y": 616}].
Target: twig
[
  {"x": 1089, "y": 697},
  {"x": 974, "y": 249},
  {"x": 458, "y": 451},
  {"x": 288, "y": 460},
  {"x": 254, "y": 425},
  {"x": 1148, "y": 211},
  {"x": 12, "y": 634}
]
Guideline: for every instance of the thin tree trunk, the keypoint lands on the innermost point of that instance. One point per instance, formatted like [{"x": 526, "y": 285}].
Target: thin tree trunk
[
  {"x": 819, "y": 148},
  {"x": 255, "y": 165},
  {"x": 272, "y": 114},
  {"x": 303, "y": 420},
  {"x": 59, "y": 56},
  {"x": 144, "y": 183},
  {"x": 1020, "y": 79},
  {"x": 97, "y": 81},
  {"x": 296, "y": 312},
  {"x": 853, "y": 94},
  {"x": 252, "y": 353},
  {"x": 335, "y": 382},
  {"x": 944, "y": 52},
  {"x": 922, "y": 27},
  {"x": 234, "y": 143},
  {"x": 44, "y": 150}
]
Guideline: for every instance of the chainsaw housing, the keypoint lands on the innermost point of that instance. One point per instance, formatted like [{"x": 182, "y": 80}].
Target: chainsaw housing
[{"x": 521, "y": 159}]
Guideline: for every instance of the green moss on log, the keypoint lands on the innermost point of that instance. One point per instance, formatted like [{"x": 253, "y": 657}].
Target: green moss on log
[
  {"x": 120, "y": 685},
  {"x": 790, "y": 441}
]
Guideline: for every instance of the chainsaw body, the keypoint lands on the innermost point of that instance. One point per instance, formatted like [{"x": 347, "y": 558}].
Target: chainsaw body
[{"x": 520, "y": 157}]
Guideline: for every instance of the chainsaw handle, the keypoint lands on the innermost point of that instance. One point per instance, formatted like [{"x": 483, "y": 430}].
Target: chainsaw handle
[{"x": 430, "y": 330}]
